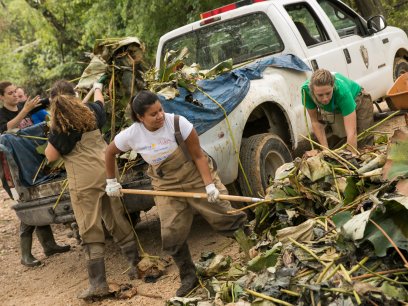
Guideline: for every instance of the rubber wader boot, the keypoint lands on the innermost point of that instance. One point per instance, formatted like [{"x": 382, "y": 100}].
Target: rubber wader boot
[
  {"x": 129, "y": 250},
  {"x": 27, "y": 258},
  {"x": 187, "y": 271},
  {"x": 46, "y": 238},
  {"x": 98, "y": 287}
]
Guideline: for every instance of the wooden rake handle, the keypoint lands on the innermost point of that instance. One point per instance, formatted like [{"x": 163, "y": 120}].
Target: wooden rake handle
[
  {"x": 88, "y": 95},
  {"x": 196, "y": 195}
]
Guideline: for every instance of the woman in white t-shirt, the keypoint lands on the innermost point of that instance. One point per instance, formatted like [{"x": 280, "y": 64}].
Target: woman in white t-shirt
[{"x": 152, "y": 135}]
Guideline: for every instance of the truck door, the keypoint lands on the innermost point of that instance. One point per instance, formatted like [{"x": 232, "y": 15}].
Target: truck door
[
  {"x": 364, "y": 53},
  {"x": 321, "y": 50}
]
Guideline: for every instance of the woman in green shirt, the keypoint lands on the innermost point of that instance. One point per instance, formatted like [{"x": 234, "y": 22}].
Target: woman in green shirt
[{"x": 333, "y": 99}]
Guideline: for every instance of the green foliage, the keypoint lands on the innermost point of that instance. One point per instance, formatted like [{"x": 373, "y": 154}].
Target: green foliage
[
  {"x": 396, "y": 13},
  {"x": 351, "y": 191},
  {"x": 398, "y": 156},
  {"x": 42, "y": 41}
]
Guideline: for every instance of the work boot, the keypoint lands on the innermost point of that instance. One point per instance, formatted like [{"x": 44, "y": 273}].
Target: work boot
[
  {"x": 27, "y": 258},
  {"x": 46, "y": 238},
  {"x": 129, "y": 250},
  {"x": 187, "y": 271},
  {"x": 98, "y": 287}
]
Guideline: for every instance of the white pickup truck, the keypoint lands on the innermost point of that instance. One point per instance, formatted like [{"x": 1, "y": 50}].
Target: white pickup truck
[{"x": 266, "y": 125}]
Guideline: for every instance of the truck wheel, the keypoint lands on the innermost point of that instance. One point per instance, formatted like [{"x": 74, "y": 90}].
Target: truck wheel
[
  {"x": 260, "y": 156},
  {"x": 400, "y": 67}
]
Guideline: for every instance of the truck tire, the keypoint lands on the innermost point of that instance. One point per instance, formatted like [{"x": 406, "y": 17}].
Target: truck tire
[
  {"x": 400, "y": 67},
  {"x": 260, "y": 156}
]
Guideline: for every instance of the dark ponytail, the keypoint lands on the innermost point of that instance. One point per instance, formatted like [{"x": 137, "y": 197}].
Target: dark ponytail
[{"x": 141, "y": 102}]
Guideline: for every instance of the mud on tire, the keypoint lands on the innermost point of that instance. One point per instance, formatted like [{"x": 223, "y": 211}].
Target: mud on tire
[{"x": 261, "y": 155}]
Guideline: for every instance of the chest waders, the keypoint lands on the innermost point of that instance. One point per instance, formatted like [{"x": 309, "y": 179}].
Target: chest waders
[
  {"x": 85, "y": 166},
  {"x": 177, "y": 173}
]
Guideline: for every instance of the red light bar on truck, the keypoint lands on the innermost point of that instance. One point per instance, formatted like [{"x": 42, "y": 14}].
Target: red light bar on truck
[{"x": 228, "y": 7}]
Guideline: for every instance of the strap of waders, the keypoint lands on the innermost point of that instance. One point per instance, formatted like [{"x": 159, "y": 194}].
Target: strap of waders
[
  {"x": 179, "y": 137},
  {"x": 182, "y": 144}
]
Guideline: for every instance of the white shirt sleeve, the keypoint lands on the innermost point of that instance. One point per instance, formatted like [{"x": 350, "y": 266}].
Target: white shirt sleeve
[
  {"x": 121, "y": 140},
  {"x": 185, "y": 127}
]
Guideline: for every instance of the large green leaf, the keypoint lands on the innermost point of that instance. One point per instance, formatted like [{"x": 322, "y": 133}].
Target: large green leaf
[
  {"x": 244, "y": 241},
  {"x": 341, "y": 218},
  {"x": 397, "y": 156},
  {"x": 315, "y": 168},
  {"x": 265, "y": 260},
  {"x": 392, "y": 291},
  {"x": 394, "y": 222},
  {"x": 391, "y": 218},
  {"x": 351, "y": 191},
  {"x": 218, "y": 69}
]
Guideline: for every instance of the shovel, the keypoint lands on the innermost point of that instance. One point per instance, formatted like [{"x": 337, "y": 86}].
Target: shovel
[{"x": 196, "y": 195}]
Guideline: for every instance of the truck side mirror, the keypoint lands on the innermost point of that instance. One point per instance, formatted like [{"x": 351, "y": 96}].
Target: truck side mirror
[{"x": 376, "y": 23}]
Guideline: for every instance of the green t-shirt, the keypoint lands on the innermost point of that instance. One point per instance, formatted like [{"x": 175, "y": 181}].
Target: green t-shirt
[{"x": 344, "y": 93}]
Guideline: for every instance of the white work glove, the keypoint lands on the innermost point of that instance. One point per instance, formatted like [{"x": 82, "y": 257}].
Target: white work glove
[
  {"x": 113, "y": 188},
  {"x": 97, "y": 85},
  {"x": 212, "y": 193}
]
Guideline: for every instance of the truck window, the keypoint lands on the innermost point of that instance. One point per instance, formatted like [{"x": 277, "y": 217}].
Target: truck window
[
  {"x": 343, "y": 19},
  {"x": 306, "y": 21},
  {"x": 242, "y": 39}
]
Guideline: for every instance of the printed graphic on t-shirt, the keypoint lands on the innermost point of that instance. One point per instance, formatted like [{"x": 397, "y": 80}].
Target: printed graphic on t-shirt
[
  {"x": 154, "y": 146},
  {"x": 26, "y": 122},
  {"x": 158, "y": 152}
]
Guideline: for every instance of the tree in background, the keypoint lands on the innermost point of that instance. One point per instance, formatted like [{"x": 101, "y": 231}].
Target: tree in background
[
  {"x": 45, "y": 40},
  {"x": 368, "y": 8},
  {"x": 395, "y": 11},
  {"x": 42, "y": 41}
]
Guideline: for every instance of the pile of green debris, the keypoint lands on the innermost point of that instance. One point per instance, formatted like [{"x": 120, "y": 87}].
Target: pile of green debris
[
  {"x": 121, "y": 61},
  {"x": 332, "y": 231}
]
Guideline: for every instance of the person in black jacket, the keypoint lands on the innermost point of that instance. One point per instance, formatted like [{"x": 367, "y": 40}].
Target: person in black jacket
[{"x": 13, "y": 115}]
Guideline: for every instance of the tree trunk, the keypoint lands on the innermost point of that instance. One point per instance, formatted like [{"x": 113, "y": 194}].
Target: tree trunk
[
  {"x": 368, "y": 8},
  {"x": 63, "y": 36}
]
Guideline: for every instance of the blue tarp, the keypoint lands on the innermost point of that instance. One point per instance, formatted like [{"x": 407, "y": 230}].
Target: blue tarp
[
  {"x": 228, "y": 89},
  {"x": 23, "y": 151}
]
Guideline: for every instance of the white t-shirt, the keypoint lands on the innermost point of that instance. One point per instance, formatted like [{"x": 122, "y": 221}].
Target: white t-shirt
[{"x": 155, "y": 146}]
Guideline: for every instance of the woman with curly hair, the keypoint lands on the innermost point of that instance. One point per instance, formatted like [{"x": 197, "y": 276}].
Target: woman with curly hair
[{"x": 76, "y": 137}]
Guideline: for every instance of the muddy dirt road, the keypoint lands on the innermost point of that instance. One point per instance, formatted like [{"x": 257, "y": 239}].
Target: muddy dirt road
[{"x": 61, "y": 276}]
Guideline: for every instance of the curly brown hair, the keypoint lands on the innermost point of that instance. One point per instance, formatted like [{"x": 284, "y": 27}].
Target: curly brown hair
[{"x": 68, "y": 112}]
